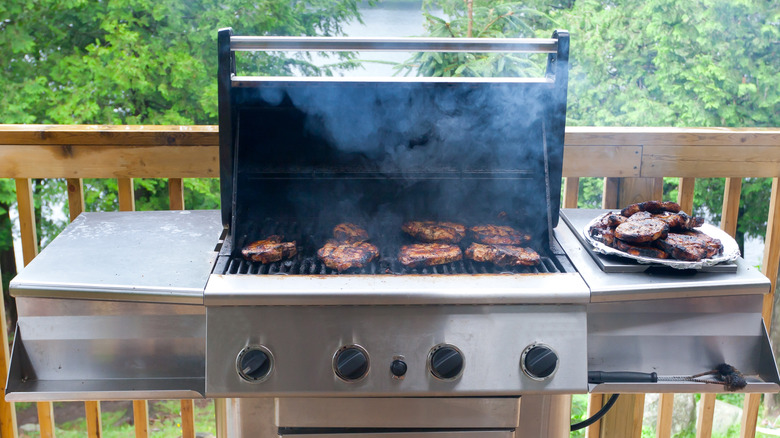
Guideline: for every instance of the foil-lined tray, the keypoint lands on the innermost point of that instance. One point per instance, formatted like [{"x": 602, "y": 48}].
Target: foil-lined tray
[{"x": 730, "y": 248}]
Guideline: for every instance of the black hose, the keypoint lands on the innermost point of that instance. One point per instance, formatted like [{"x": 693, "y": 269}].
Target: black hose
[{"x": 597, "y": 416}]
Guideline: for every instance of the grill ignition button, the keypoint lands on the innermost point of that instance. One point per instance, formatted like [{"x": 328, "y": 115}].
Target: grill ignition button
[
  {"x": 398, "y": 368},
  {"x": 254, "y": 364}
]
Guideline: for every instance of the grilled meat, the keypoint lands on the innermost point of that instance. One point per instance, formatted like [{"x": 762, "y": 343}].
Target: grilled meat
[
  {"x": 639, "y": 216},
  {"x": 269, "y": 250},
  {"x": 678, "y": 221},
  {"x": 643, "y": 231},
  {"x": 346, "y": 255},
  {"x": 498, "y": 235},
  {"x": 346, "y": 232},
  {"x": 435, "y": 232},
  {"x": 683, "y": 247},
  {"x": 650, "y": 206},
  {"x": 429, "y": 254},
  {"x": 502, "y": 255},
  {"x": 712, "y": 246},
  {"x": 604, "y": 235},
  {"x": 640, "y": 250}
]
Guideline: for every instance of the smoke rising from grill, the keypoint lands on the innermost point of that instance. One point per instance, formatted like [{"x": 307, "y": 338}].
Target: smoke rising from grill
[{"x": 379, "y": 154}]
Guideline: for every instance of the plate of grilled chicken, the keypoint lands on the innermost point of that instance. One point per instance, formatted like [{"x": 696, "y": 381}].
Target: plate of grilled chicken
[{"x": 661, "y": 233}]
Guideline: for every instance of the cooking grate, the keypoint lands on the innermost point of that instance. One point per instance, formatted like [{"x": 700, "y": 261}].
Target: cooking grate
[
  {"x": 307, "y": 263},
  {"x": 386, "y": 264}
]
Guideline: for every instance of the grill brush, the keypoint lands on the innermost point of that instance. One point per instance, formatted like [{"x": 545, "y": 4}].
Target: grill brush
[{"x": 725, "y": 374}]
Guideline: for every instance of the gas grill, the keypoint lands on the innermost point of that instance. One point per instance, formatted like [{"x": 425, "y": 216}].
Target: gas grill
[{"x": 460, "y": 349}]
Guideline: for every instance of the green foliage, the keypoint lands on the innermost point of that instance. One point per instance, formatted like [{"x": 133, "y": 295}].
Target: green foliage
[
  {"x": 139, "y": 61},
  {"x": 489, "y": 19},
  {"x": 672, "y": 63}
]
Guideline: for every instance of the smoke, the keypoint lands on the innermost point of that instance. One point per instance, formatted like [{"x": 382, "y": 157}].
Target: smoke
[{"x": 379, "y": 154}]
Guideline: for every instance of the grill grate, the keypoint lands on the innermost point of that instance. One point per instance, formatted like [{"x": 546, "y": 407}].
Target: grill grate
[
  {"x": 301, "y": 265},
  {"x": 307, "y": 263}
]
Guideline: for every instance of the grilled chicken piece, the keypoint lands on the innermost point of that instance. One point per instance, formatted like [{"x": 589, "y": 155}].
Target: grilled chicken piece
[
  {"x": 712, "y": 245},
  {"x": 678, "y": 221},
  {"x": 643, "y": 231},
  {"x": 640, "y": 250},
  {"x": 683, "y": 247},
  {"x": 429, "y": 254},
  {"x": 269, "y": 250},
  {"x": 346, "y": 255},
  {"x": 498, "y": 235},
  {"x": 613, "y": 220},
  {"x": 346, "y": 232},
  {"x": 435, "y": 232},
  {"x": 503, "y": 255},
  {"x": 651, "y": 206}
]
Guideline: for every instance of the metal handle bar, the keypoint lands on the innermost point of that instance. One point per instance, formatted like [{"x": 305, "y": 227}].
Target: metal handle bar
[{"x": 345, "y": 44}]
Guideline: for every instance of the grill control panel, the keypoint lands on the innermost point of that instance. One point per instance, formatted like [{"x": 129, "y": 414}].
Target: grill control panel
[{"x": 395, "y": 350}]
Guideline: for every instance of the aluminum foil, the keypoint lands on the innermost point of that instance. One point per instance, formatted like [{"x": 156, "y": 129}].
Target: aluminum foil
[{"x": 730, "y": 248}]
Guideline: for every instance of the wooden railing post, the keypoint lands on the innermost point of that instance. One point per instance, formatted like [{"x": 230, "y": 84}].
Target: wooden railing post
[
  {"x": 141, "y": 418},
  {"x": 663, "y": 427},
  {"x": 125, "y": 195},
  {"x": 571, "y": 192},
  {"x": 685, "y": 194},
  {"x": 176, "y": 193}
]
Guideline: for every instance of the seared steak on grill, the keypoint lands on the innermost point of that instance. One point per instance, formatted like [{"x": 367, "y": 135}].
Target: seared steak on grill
[
  {"x": 651, "y": 206},
  {"x": 435, "y": 232},
  {"x": 346, "y": 232},
  {"x": 646, "y": 230},
  {"x": 640, "y": 250},
  {"x": 269, "y": 250},
  {"x": 428, "y": 254},
  {"x": 345, "y": 255},
  {"x": 498, "y": 235},
  {"x": 503, "y": 255}
]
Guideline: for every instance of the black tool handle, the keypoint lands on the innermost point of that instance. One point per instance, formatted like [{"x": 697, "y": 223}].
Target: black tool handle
[{"x": 621, "y": 377}]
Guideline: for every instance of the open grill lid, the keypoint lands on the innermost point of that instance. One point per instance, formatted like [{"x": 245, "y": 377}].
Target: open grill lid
[{"x": 378, "y": 151}]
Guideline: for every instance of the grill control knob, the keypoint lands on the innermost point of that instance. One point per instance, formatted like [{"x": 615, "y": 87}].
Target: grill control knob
[
  {"x": 539, "y": 361},
  {"x": 351, "y": 363},
  {"x": 254, "y": 364},
  {"x": 446, "y": 362},
  {"x": 398, "y": 368}
]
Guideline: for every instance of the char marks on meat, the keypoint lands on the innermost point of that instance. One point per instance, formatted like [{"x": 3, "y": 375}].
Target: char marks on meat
[
  {"x": 639, "y": 216},
  {"x": 712, "y": 246},
  {"x": 429, "y": 254},
  {"x": 498, "y": 235},
  {"x": 639, "y": 250},
  {"x": 678, "y": 221},
  {"x": 269, "y": 250},
  {"x": 650, "y": 206},
  {"x": 435, "y": 232},
  {"x": 346, "y": 255},
  {"x": 682, "y": 247},
  {"x": 347, "y": 232},
  {"x": 643, "y": 231},
  {"x": 502, "y": 255}
]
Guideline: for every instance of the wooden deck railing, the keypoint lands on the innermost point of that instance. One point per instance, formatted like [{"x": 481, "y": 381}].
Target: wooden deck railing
[{"x": 633, "y": 162}]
